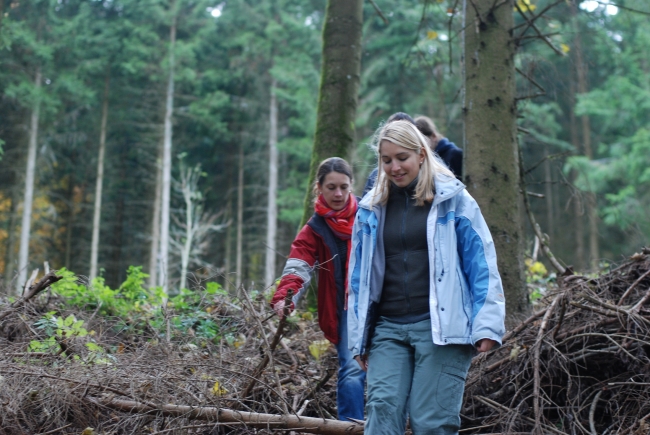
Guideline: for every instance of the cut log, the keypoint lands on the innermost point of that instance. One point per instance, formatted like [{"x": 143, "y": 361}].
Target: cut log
[{"x": 224, "y": 415}]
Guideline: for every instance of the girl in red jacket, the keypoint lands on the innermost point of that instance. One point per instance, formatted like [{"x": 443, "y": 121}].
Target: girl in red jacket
[{"x": 324, "y": 243}]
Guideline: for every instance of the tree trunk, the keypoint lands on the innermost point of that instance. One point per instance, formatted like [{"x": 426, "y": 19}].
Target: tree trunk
[
  {"x": 240, "y": 217},
  {"x": 491, "y": 157},
  {"x": 70, "y": 222},
  {"x": 578, "y": 212},
  {"x": 189, "y": 187},
  {"x": 548, "y": 196},
  {"x": 339, "y": 87},
  {"x": 272, "y": 209},
  {"x": 97, "y": 211},
  {"x": 23, "y": 255},
  {"x": 228, "y": 249},
  {"x": 164, "y": 271},
  {"x": 583, "y": 88},
  {"x": 154, "y": 249},
  {"x": 10, "y": 258}
]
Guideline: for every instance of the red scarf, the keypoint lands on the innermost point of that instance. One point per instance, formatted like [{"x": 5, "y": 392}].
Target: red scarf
[{"x": 340, "y": 222}]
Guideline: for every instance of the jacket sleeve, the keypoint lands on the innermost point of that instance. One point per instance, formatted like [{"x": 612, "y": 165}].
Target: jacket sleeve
[
  {"x": 479, "y": 263},
  {"x": 355, "y": 326},
  {"x": 299, "y": 267}
]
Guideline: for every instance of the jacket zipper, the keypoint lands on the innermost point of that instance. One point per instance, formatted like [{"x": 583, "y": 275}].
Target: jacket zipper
[{"x": 405, "y": 255}]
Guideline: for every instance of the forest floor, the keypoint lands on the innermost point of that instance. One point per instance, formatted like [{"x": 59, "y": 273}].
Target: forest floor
[{"x": 579, "y": 365}]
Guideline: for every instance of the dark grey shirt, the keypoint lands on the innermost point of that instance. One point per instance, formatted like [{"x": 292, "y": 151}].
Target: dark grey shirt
[{"x": 405, "y": 292}]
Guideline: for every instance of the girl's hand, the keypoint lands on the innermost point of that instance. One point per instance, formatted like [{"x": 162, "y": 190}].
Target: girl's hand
[
  {"x": 485, "y": 345},
  {"x": 363, "y": 362}
]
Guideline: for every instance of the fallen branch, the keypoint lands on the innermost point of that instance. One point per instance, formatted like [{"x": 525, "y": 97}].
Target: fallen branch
[
  {"x": 224, "y": 415},
  {"x": 47, "y": 280},
  {"x": 274, "y": 343}
]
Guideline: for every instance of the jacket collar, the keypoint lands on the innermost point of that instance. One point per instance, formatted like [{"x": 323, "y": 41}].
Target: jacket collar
[{"x": 446, "y": 187}]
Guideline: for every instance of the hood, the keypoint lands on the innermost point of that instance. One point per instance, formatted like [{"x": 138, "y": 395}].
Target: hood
[
  {"x": 443, "y": 146},
  {"x": 446, "y": 187}
]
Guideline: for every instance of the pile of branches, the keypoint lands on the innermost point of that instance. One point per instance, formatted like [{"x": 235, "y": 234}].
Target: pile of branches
[
  {"x": 580, "y": 365},
  {"x": 139, "y": 384}
]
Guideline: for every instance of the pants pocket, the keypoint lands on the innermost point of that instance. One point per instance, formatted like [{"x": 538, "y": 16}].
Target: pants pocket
[{"x": 451, "y": 383}]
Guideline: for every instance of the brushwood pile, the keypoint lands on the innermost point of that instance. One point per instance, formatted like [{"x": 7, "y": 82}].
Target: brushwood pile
[{"x": 580, "y": 364}]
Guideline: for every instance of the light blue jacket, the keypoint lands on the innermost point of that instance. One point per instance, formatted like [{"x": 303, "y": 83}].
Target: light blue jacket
[{"x": 465, "y": 293}]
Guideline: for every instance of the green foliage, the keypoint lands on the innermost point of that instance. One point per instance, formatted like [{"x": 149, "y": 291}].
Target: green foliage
[
  {"x": 130, "y": 297},
  {"x": 137, "y": 308},
  {"x": 537, "y": 279}
]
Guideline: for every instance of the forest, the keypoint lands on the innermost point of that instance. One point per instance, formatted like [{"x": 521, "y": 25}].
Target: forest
[{"x": 157, "y": 158}]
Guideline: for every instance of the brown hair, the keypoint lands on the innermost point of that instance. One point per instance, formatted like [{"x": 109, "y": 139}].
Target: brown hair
[
  {"x": 332, "y": 164},
  {"x": 428, "y": 128}
]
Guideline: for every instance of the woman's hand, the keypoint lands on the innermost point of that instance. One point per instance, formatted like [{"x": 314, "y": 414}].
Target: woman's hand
[
  {"x": 363, "y": 362},
  {"x": 484, "y": 345},
  {"x": 279, "y": 308}
]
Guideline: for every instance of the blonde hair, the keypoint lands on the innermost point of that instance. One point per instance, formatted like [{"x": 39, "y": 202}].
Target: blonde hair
[{"x": 406, "y": 135}]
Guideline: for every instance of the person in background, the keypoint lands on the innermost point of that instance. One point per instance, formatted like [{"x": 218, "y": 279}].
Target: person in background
[
  {"x": 324, "y": 242},
  {"x": 446, "y": 150},
  {"x": 424, "y": 290}
]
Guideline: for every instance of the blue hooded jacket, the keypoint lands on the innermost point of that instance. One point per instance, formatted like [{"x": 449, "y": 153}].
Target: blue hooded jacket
[{"x": 466, "y": 300}]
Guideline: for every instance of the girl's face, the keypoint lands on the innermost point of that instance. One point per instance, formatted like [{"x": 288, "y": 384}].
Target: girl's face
[
  {"x": 401, "y": 165},
  {"x": 336, "y": 189}
]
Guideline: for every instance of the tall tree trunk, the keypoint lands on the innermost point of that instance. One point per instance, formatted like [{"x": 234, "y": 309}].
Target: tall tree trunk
[
  {"x": 70, "y": 222},
  {"x": 227, "y": 265},
  {"x": 578, "y": 212},
  {"x": 97, "y": 210},
  {"x": 548, "y": 195},
  {"x": 189, "y": 187},
  {"x": 167, "y": 165},
  {"x": 23, "y": 255},
  {"x": 117, "y": 242},
  {"x": 240, "y": 217},
  {"x": 339, "y": 87},
  {"x": 10, "y": 258},
  {"x": 272, "y": 209},
  {"x": 583, "y": 88},
  {"x": 491, "y": 157},
  {"x": 154, "y": 249}
]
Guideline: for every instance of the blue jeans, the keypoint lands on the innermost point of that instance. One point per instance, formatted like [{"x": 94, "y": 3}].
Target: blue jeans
[
  {"x": 409, "y": 375},
  {"x": 351, "y": 379}
]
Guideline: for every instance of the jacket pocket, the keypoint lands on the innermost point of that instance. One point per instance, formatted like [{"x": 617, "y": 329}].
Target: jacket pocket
[{"x": 449, "y": 392}]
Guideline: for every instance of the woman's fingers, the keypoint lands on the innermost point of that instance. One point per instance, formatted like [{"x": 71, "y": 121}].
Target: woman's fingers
[{"x": 363, "y": 362}]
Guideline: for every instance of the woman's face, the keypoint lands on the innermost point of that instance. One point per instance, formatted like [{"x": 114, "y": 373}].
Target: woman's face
[
  {"x": 336, "y": 189},
  {"x": 401, "y": 165}
]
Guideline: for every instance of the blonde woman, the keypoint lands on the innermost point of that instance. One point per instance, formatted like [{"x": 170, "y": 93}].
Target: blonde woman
[{"x": 425, "y": 294}]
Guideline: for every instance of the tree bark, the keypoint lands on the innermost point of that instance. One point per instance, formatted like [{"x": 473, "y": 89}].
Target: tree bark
[
  {"x": 548, "y": 195},
  {"x": 251, "y": 419},
  {"x": 28, "y": 200},
  {"x": 97, "y": 210},
  {"x": 10, "y": 258},
  {"x": 154, "y": 249},
  {"x": 583, "y": 88},
  {"x": 272, "y": 209},
  {"x": 240, "y": 217},
  {"x": 578, "y": 212},
  {"x": 164, "y": 271},
  {"x": 491, "y": 163},
  {"x": 339, "y": 87}
]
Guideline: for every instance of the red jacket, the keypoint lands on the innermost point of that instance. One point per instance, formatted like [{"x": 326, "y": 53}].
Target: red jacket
[{"x": 312, "y": 249}]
